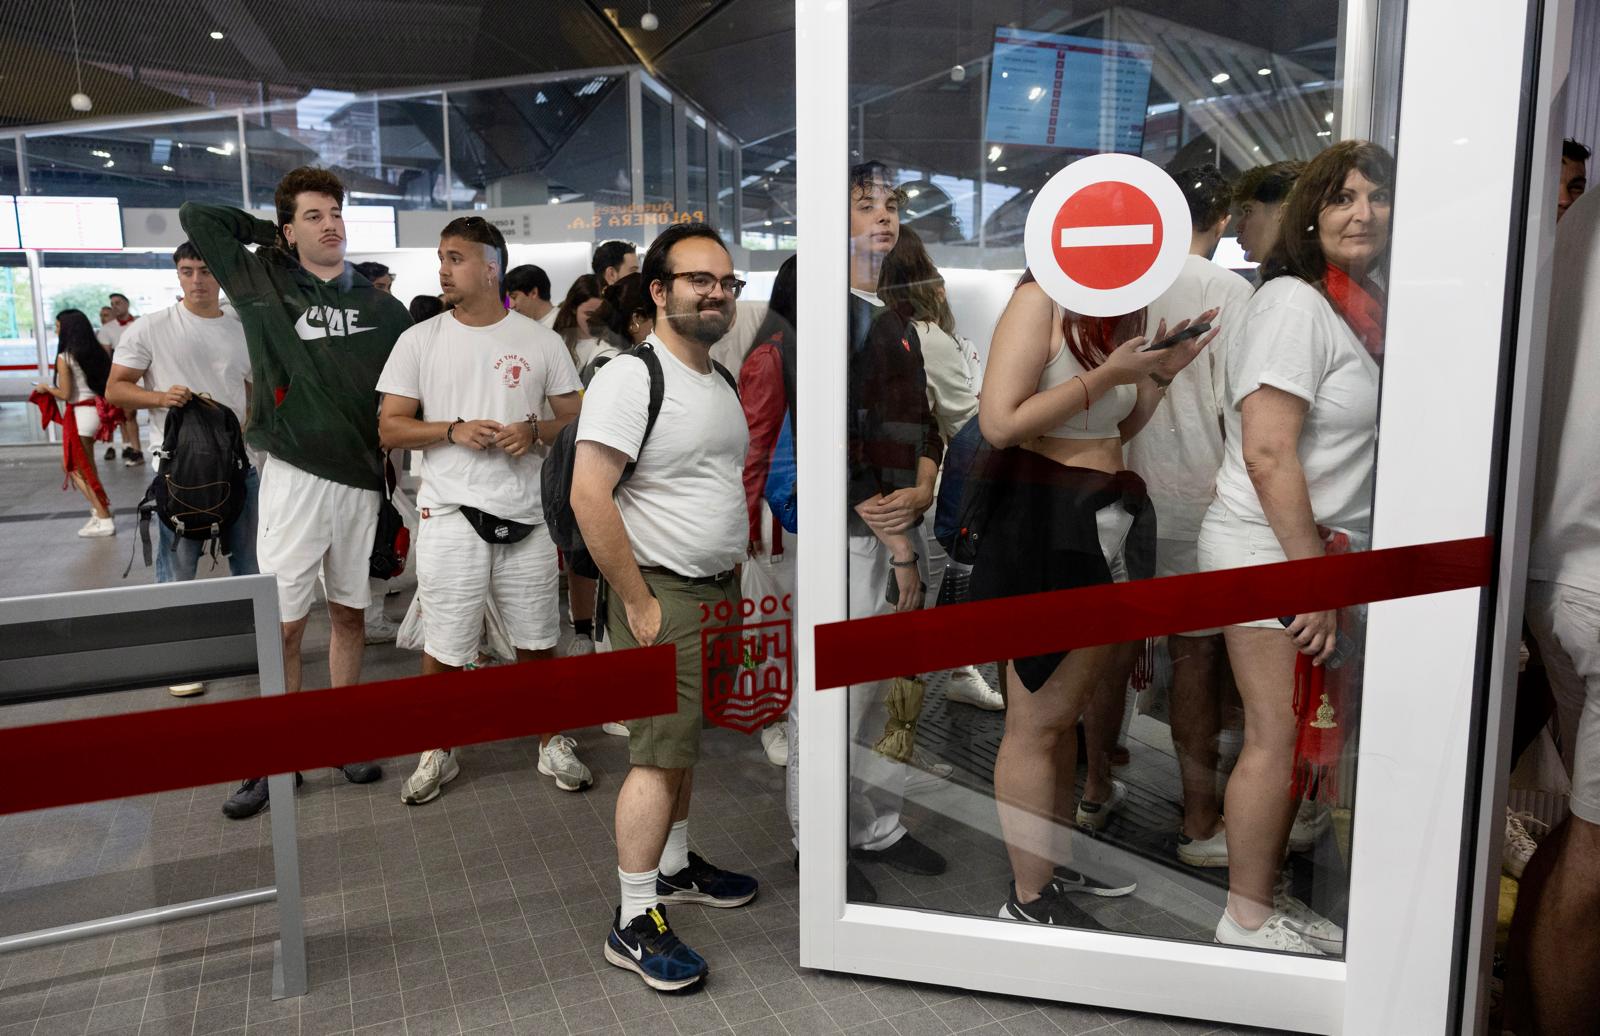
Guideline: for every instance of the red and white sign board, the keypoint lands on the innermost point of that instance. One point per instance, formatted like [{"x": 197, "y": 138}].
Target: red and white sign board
[{"x": 1107, "y": 235}]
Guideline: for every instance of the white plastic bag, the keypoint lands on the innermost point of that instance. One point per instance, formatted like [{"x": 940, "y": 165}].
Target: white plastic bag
[{"x": 411, "y": 634}]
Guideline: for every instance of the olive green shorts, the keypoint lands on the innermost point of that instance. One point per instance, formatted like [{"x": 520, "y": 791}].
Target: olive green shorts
[{"x": 688, "y": 607}]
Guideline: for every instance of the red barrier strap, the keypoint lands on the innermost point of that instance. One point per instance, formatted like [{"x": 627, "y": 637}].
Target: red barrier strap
[
  {"x": 887, "y": 646},
  {"x": 142, "y": 752}
]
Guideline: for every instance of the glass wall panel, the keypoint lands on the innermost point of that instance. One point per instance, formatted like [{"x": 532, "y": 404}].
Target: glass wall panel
[
  {"x": 159, "y": 166},
  {"x": 769, "y": 193},
  {"x": 386, "y": 152},
  {"x": 19, "y": 353},
  {"x": 725, "y": 214},
  {"x": 1088, "y": 788},
  {"x": 541, "y": 143},
  {"x": 8, "y": 167},
  {"x": 658, "y": 148},
  {"x": 695, "y": 199}
]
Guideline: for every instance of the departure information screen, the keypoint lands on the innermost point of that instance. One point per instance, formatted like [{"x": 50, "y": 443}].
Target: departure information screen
[
  {"x": 69, "y": 224},
  {"x": 1070, "y": 92}
]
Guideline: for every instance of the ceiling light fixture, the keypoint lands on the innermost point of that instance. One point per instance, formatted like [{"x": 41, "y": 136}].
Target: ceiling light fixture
[
  {"x": 216, "y": 34},
  {"x": 166, "y": 169},
  {"x": 649, "y": 23},
  {"x": 999, "y": 168},
  {"x": 80, "y": 101},
  {"x": 958, "y": 73},
  {"x": 994, "y": 153},
  {"x": 100, "y": 154},
  {"x": 1220, "y": 78},
  {"x": 1036, "y": 93},
  {"x": 1263, "y": 71}
]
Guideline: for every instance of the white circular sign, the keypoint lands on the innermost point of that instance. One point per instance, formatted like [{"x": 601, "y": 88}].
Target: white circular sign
[{"x": 1107, "y": 235}]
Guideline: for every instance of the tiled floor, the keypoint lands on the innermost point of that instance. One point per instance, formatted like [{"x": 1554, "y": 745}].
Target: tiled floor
[{"x": 482, "y": 912}]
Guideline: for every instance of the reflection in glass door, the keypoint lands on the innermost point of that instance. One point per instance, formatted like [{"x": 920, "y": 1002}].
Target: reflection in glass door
[{"x": 1169, "y": 790}]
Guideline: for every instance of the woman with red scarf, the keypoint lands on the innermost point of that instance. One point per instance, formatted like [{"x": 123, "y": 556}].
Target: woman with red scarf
[
  {"x": 1296, "y": 482},
  {"x": 76, "y": 400}
]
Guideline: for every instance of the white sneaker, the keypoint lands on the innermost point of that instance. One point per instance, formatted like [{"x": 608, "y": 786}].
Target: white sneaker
[
  {"x": 557, "y": 760},
  {"x": 1094, "y": 816},
  {"x": 1310, "y": 821},
  {"x": 381, "y": 630},
  {"x": 614, "y": 729},
  {"x": 95, "y": 528},
  {"x": 581, "y": 646},
  {"x": 925, "y": 770},
  {"x": 1312, "y": 926},
  {"x": 435, "y": 769},
  {"x": 1204, "y": 852},
  {"x": 1278, "y": 933},
  {"x": 968, "y": 686},
  {"x": 186, "y": 690},
  {"x": 775, "y": 741},
  {"x": 1523, "y": 831}
]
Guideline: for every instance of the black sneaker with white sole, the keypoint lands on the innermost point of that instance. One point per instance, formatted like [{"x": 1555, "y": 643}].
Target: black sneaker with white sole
[
  {"x": 1052, "y": 907},
  {"x": 251, "y": 798},
  {"x": 1072, "y": 880},
  {"x": 647, "y": 947},
  {"x": 706, "y": 885}
]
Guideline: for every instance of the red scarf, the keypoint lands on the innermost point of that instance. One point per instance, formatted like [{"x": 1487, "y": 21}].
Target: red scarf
[
  {"x": 1324, "y": 704},
  {"x": 1361, "y": 305},
  {"x": 73, "y": 456}
]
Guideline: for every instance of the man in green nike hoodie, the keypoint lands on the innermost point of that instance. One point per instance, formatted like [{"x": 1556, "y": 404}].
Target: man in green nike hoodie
[{"x": 318, "y": 334}]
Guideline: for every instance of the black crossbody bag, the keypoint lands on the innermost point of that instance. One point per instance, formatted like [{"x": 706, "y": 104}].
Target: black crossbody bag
[{"x": 494, "y": 529}]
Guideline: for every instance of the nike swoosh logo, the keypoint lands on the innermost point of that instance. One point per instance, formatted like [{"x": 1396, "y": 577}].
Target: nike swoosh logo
[
  {"x": 637, "y": 953},
  {"x": 332, "y": 322}
]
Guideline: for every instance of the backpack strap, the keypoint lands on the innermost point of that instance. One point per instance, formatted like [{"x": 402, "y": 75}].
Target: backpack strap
[
  {"x": 727, "y": 376},
  {"x": 645, "y": 353}
]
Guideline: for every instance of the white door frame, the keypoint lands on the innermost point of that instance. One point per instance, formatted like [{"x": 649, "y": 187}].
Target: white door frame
[{"x": 1461, "y": 107}]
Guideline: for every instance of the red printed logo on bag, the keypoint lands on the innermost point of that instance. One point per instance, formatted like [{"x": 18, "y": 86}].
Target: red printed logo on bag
[
  {"x": 747, "y": 662},
  {"x": 511, "y": 368}
]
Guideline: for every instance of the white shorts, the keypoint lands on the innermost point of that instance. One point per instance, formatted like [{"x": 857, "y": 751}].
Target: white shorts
[
  {"x": 458, "y": 573},
  {"x": 1180, "y": 558},
  {"x": 1228, "y": 541},
  {"x": 1565, "y": 622},
  {"x": 312, "y": 528},
  {"x": 88, "y": 421}
]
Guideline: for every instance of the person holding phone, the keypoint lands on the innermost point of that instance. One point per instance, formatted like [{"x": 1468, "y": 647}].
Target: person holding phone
[
  {"x": 1060, "y": 398},
  {"x": 1301, "y": 434}
]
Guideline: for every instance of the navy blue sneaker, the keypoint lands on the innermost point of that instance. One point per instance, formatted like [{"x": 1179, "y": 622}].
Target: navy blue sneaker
[
  {"x": 648, "y": 946},
  {"x": 704, "y": 884}
]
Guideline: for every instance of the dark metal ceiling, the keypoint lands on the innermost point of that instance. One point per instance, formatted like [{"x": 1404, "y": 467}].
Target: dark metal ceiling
[{"x": 734, "y": 57}]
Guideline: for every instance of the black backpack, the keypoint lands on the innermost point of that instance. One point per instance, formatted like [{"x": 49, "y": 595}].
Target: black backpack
[
  {"x": 200, "y": 490},
  {"x": 555, "y": 477}
]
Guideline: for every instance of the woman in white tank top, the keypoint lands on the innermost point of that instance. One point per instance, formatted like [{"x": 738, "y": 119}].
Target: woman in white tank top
[{"x": 1060, "y": 397}]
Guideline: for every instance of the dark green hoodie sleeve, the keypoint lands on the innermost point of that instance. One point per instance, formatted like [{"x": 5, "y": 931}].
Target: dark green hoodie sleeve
[{"x": 222, "y": 235}]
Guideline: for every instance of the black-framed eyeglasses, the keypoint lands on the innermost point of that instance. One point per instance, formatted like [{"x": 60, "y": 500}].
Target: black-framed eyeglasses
[{"x": 702, "y": 283}]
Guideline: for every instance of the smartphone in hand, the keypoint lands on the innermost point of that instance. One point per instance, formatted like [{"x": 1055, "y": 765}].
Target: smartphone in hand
[{"x": 1191, "y": 332}]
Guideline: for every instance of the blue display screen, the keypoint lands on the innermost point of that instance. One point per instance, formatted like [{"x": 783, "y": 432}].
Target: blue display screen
[{"x": 1070, "y": 92}]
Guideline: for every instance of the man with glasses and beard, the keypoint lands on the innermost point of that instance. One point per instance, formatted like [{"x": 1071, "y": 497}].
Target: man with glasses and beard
[{"x": 667, "y": 538}]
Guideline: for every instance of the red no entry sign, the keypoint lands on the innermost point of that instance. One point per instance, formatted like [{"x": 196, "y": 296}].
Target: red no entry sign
[{"x": 1107, "y": 235}]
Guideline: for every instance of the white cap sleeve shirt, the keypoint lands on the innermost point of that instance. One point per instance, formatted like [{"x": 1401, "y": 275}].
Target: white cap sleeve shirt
[
  {"x": 1566, "y": 509},
  {"x": 502, "y": 372},
  {"x": 204, "y": 354},
  {"x": 1290, "y": 338},
  {"x": 1180, "y": 450},
  {"x": 684, "y": 505}
]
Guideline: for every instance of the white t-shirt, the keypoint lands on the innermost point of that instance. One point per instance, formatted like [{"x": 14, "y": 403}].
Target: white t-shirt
[
  {"x": 175, "y": 347},
  {"x": 1290, "y": 338},
  {"x": 502, "y": 372},
  {"x": 110, "y": 335},
  {"x": 684, "y": 505},
  {"x": 951, "y": 365},
  {"x": 1179, "y": 451},
  {"x": 1566, "y": 503},
  {"x": 549, "y": 319},
  {"x": 586, "y": 349}
]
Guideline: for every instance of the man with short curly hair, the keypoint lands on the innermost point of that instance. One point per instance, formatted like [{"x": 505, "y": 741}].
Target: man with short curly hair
[{"x": 318, "y": 334}]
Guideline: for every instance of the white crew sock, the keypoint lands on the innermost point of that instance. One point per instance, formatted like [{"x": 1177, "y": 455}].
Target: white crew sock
[
  {"x": 638, "y": 893},
  {"x": 675, "y": 857}
]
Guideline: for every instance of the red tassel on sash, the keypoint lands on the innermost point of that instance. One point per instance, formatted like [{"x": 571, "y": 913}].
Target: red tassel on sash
[
  {"x": 76, "y": 459},
  {"x": 1322, "y": 711}
]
